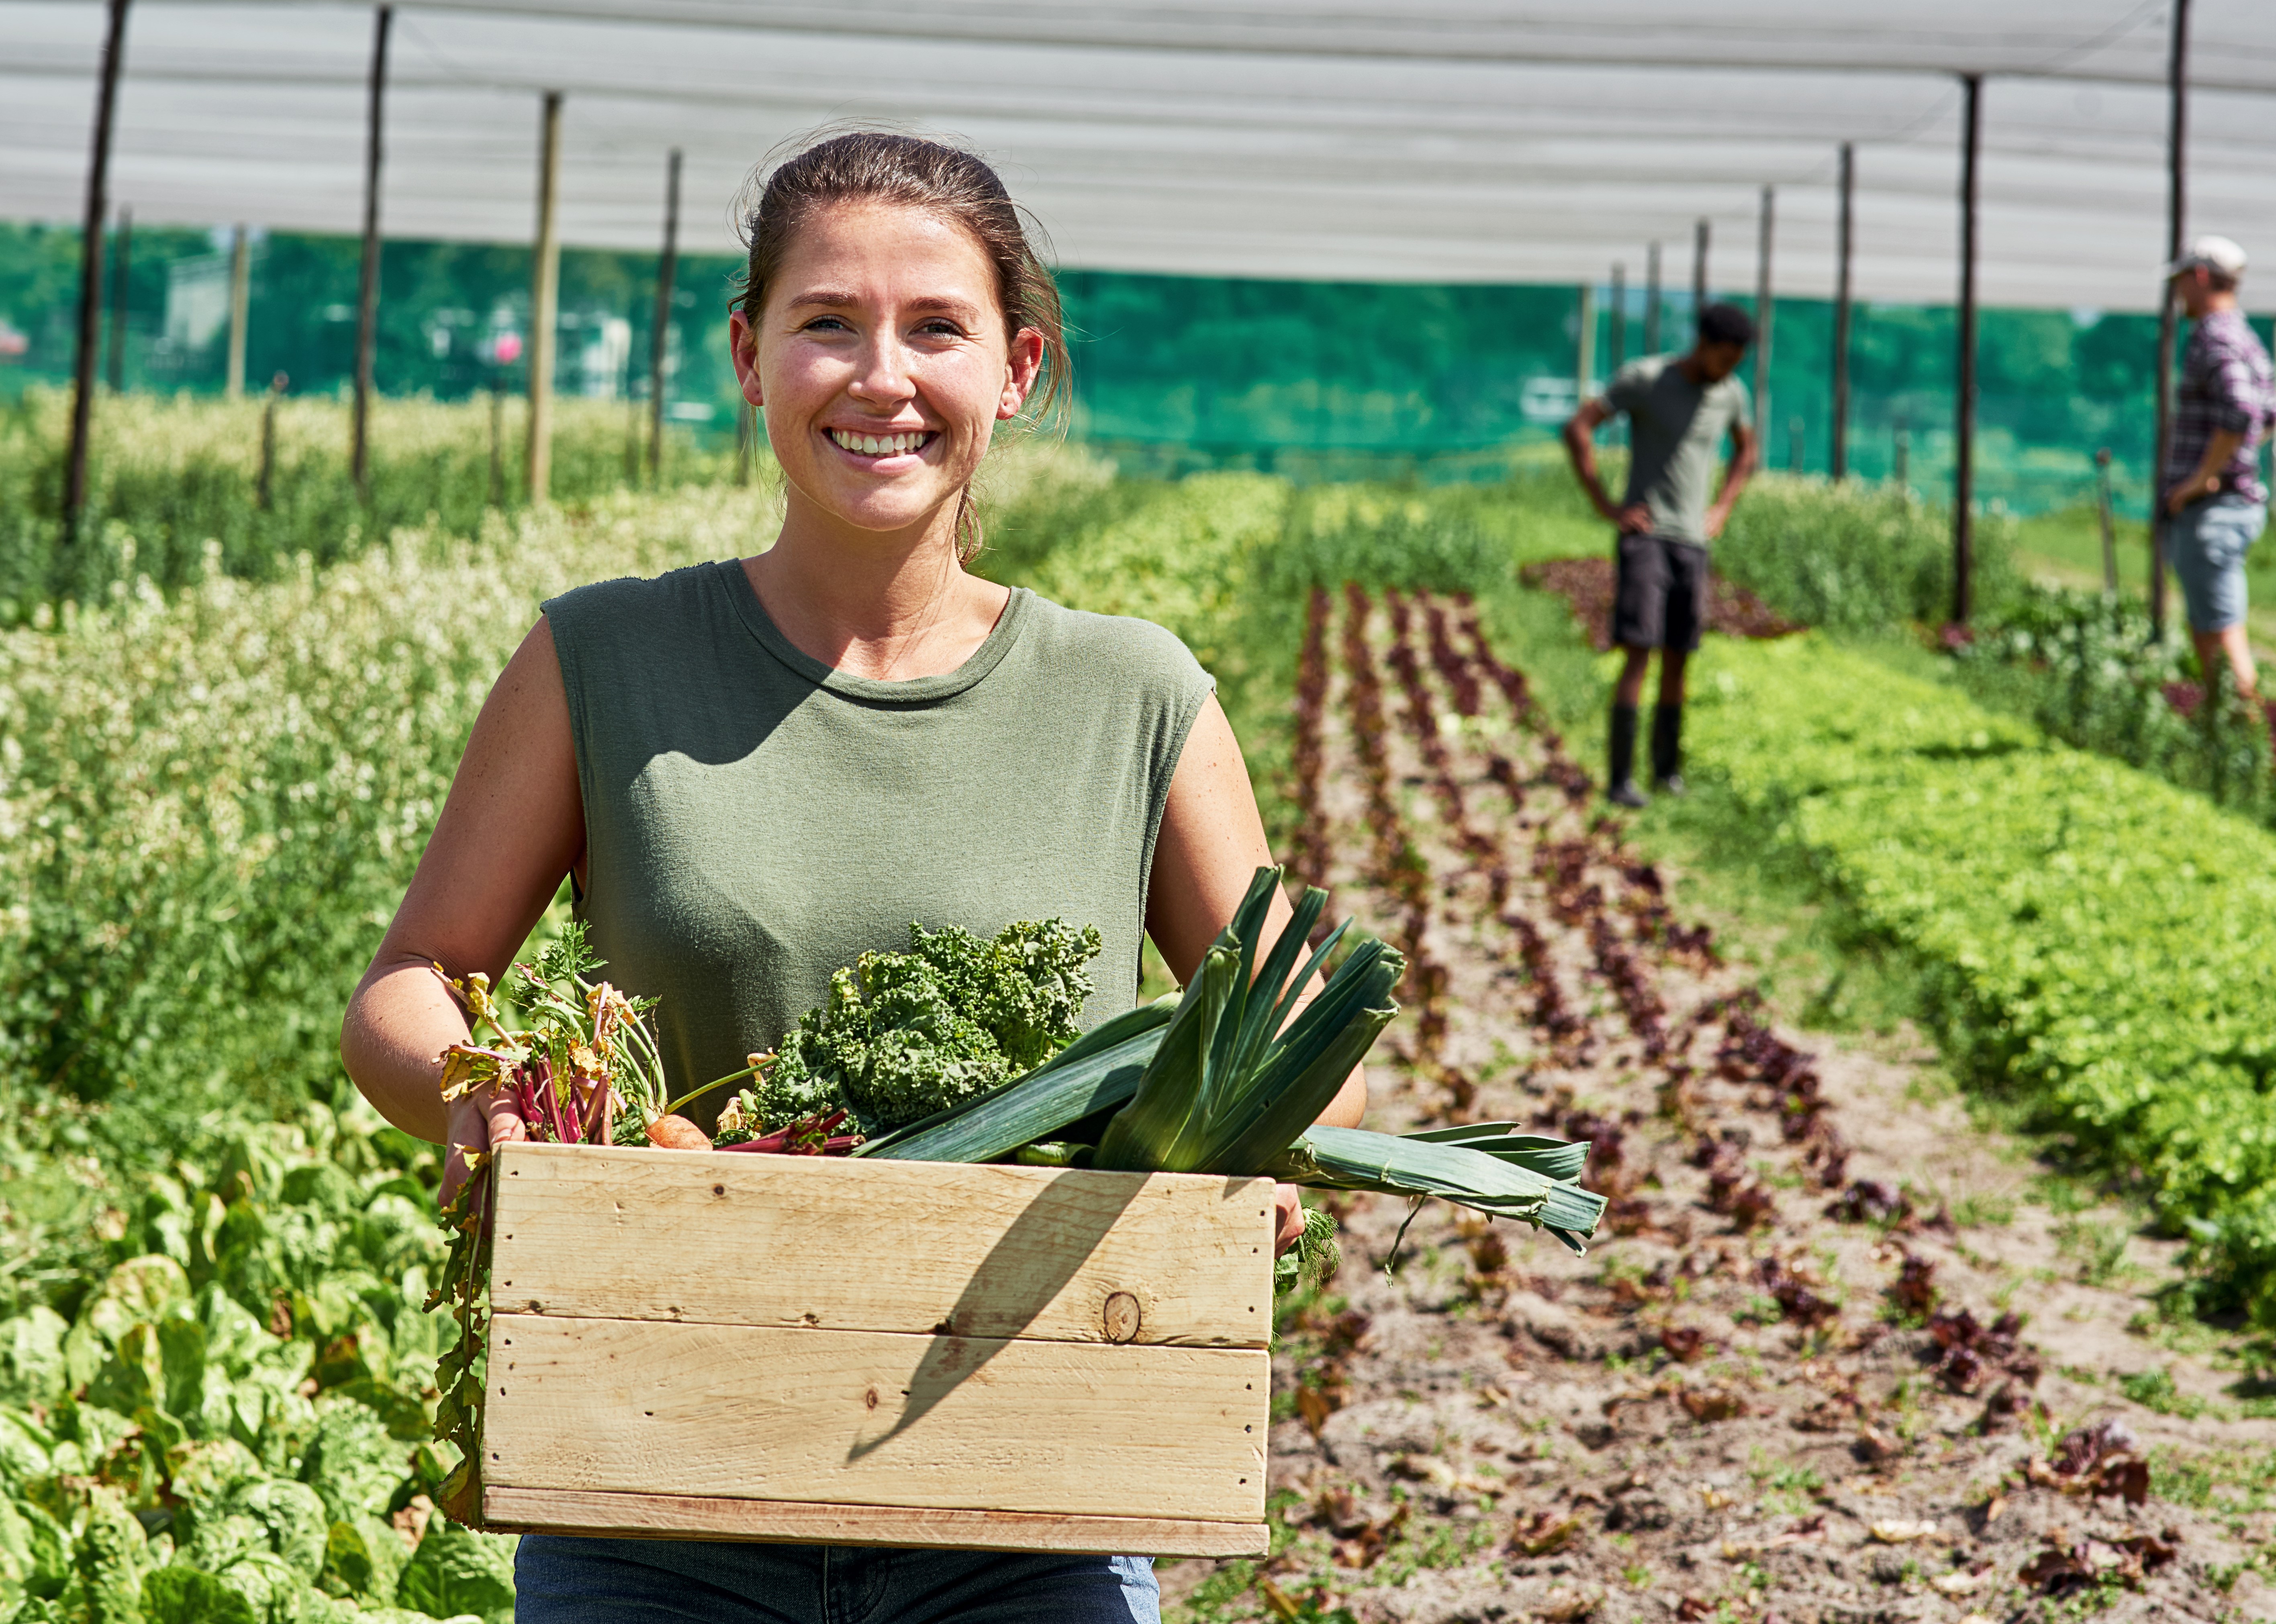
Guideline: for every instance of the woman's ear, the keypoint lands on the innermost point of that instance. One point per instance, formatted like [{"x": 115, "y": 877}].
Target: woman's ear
[
  {"x": 743, "y": 345},
  {"x": 1024, "y": 367}
]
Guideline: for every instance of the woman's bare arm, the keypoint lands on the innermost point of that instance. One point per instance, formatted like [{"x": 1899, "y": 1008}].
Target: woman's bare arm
[
  {"x": 512, "y": 826},
  {"x": 1210, "y": 846}
]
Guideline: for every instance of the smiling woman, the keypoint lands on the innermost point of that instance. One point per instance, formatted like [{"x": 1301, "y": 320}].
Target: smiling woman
[
  {"x": 757, "y": 770},
  {"x": 871, "y": 250}
]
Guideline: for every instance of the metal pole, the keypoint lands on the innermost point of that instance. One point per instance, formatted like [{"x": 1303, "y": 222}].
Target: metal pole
[
  {"x": 498, "y": 442},
  {"x": 2109, "y": 528},
  {"x": 240, "y": 306},
  {"x": 1763, "y": 310},
  {"x": 368, "y": 286},
  {"x": 262, "y": 490},
  {"x": 1619, "y": 333},
  {"x": 1584, "y": 358},
  {"x": 665, "y": 269},
  {"x": 544, "y": 296},
  {"x": 1963, "y": 449},
  {"x": 1845, "y": 244},
  {"x": 2177, "y": 136},
  {"x": 1651, "y": 300},
  {"x": 121, "y": 295},
  {"x": 90, "y": 272},
  {"x": 1698, "y": 270}
]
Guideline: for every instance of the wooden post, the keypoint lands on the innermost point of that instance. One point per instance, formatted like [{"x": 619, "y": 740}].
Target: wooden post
[
  {"x": 544, "y": 296},
  {"x": 1584, "y": 356},
  {"x": 1763, "y": 310},
  {"x": 666, "y": 268},
  {"x": 2177, "y": 134},
  {"x": 368, "y": 284},
  {"x": 1619, "y": 333},
  {"x": 1902, "y": 465},
  {"x": 121, "y": 297},
  {"x": 1651, "y": 300},
  {"x": 1963, "y": 431},
  {"x": 90, "y": 272},
  {"x": 2109, "y": 527},
  {"x": 240, "y": 306},
  {"x": 1698, "y": 270},
  {"x": 1844, "y": 245}
]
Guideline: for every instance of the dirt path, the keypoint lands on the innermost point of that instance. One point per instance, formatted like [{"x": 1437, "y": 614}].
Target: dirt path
[{"x": 1829, "y": 1359}]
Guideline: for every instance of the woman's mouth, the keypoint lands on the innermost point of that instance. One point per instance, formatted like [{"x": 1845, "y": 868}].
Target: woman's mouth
[{"x": 903, "y": 444}]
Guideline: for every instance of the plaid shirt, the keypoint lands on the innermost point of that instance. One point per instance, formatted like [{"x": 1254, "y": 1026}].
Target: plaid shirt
[{"x": 2226, "y": 387}]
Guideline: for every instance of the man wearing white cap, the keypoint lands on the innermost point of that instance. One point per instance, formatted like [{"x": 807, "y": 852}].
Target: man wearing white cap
[{"x": 2215, "y": 504}]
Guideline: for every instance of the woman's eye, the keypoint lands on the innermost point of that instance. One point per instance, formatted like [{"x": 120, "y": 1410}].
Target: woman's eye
[
  {"x": 940, "y": 326},
  {"x": 828, "y": 324}
]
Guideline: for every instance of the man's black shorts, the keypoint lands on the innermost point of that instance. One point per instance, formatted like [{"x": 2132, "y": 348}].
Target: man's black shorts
[{"x": 1660, "y": 600}]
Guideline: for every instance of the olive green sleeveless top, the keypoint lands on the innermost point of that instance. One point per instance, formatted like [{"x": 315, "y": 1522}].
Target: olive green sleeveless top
[{"x": 755, "y": 819}]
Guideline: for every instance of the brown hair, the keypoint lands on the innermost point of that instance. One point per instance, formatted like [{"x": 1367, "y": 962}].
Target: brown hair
[{"x": 884, "y": 166}]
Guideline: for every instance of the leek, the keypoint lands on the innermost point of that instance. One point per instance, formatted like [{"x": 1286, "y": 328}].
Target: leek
[
  {"x": 1230, "y": 1079},
  {"x": 1097, "y": 1071},
  {"x": 1230, "y": 1088}
]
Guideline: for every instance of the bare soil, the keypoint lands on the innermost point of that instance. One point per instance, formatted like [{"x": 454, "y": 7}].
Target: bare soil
[{"x": 1840, "y": 1353}]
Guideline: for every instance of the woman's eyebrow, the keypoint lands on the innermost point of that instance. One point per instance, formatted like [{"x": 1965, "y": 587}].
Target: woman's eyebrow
[
  {"x": 839, "y": 298},
  {"x": 955, "y": 307}
]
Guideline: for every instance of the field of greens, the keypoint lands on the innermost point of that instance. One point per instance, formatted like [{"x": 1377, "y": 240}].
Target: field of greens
[
  {"x": 225, "y": 732},
  {"x": 2092, "y": 936}
]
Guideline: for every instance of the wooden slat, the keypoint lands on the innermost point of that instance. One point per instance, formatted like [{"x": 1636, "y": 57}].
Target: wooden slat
[
  {"x": 876, "y": 1418},
  {"x": 679, "y": 1516},
  {"x": 735, "y": 1239}
]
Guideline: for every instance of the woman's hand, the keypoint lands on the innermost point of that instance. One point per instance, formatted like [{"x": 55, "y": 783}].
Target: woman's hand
[
  {"x": 480, "y": 1119},
  {"x": 1288, "y": 1219}
]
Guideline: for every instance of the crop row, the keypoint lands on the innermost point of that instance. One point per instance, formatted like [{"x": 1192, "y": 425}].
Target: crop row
[
  {"x": 2093, "y": 938},
  {"x": 1629, "y": 935}
]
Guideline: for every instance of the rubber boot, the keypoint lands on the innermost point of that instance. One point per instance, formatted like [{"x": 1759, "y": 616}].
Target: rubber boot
[
  {"x": 1667, "y": 748},
  {"x": 1620, "y": 789}
]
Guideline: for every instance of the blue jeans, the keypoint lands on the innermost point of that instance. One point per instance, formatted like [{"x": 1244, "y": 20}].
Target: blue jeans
[
  {"x": 2205, "y": 542},
  {"x": 573, "y": 1581}
]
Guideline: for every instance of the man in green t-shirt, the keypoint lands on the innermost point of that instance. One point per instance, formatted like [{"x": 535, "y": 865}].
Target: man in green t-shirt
[{"x": 1680, "y": 408}]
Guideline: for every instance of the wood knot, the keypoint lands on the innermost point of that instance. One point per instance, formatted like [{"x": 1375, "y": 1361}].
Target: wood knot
[
  {"x": 1121, "y": 1316},
  {"x": 873, "y": 1398}
]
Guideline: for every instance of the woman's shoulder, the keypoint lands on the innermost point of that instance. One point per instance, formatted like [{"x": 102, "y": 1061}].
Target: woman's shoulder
[
  {"x": 634, "y": 598},
  {"x": 1119, "y": 648}
]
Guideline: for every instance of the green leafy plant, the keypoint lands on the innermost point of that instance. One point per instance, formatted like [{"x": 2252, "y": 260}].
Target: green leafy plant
[{"x": 2079, "y": 924}]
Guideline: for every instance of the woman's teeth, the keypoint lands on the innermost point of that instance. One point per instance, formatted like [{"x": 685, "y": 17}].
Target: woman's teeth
[{"x": 880, "y": 445}]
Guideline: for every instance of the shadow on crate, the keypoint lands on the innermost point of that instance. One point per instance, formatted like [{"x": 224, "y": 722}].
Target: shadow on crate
[{"x": 1022, "y": 1274}]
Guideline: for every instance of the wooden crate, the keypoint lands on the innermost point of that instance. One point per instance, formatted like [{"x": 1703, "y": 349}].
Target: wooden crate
[{"x": 715, "y": 1346}]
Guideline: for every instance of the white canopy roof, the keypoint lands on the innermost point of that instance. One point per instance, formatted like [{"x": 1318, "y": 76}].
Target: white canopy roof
[{"x": 1454, "y": 141}]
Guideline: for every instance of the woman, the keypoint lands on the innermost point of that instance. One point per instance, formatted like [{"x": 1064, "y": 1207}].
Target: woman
[{"x": 755, "y": 771}]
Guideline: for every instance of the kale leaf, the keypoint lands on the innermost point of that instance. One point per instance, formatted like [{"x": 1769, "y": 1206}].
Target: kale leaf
[{"x": 904, "y": 1035}]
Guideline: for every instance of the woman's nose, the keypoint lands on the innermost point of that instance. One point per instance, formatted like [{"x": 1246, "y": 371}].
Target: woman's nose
[{"x": 883, "y": 373}]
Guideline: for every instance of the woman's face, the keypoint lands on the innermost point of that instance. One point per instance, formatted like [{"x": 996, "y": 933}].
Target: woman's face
[{"x": 881, "y": 363}]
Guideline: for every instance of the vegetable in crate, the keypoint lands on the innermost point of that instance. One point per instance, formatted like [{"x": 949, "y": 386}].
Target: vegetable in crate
[
  {"x": 1228, "y": 1084},
  {"x": 1225, "y": 1079},
  {"x": 907, "y": 1034},
  {"x": 585, "y": 1071}
]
